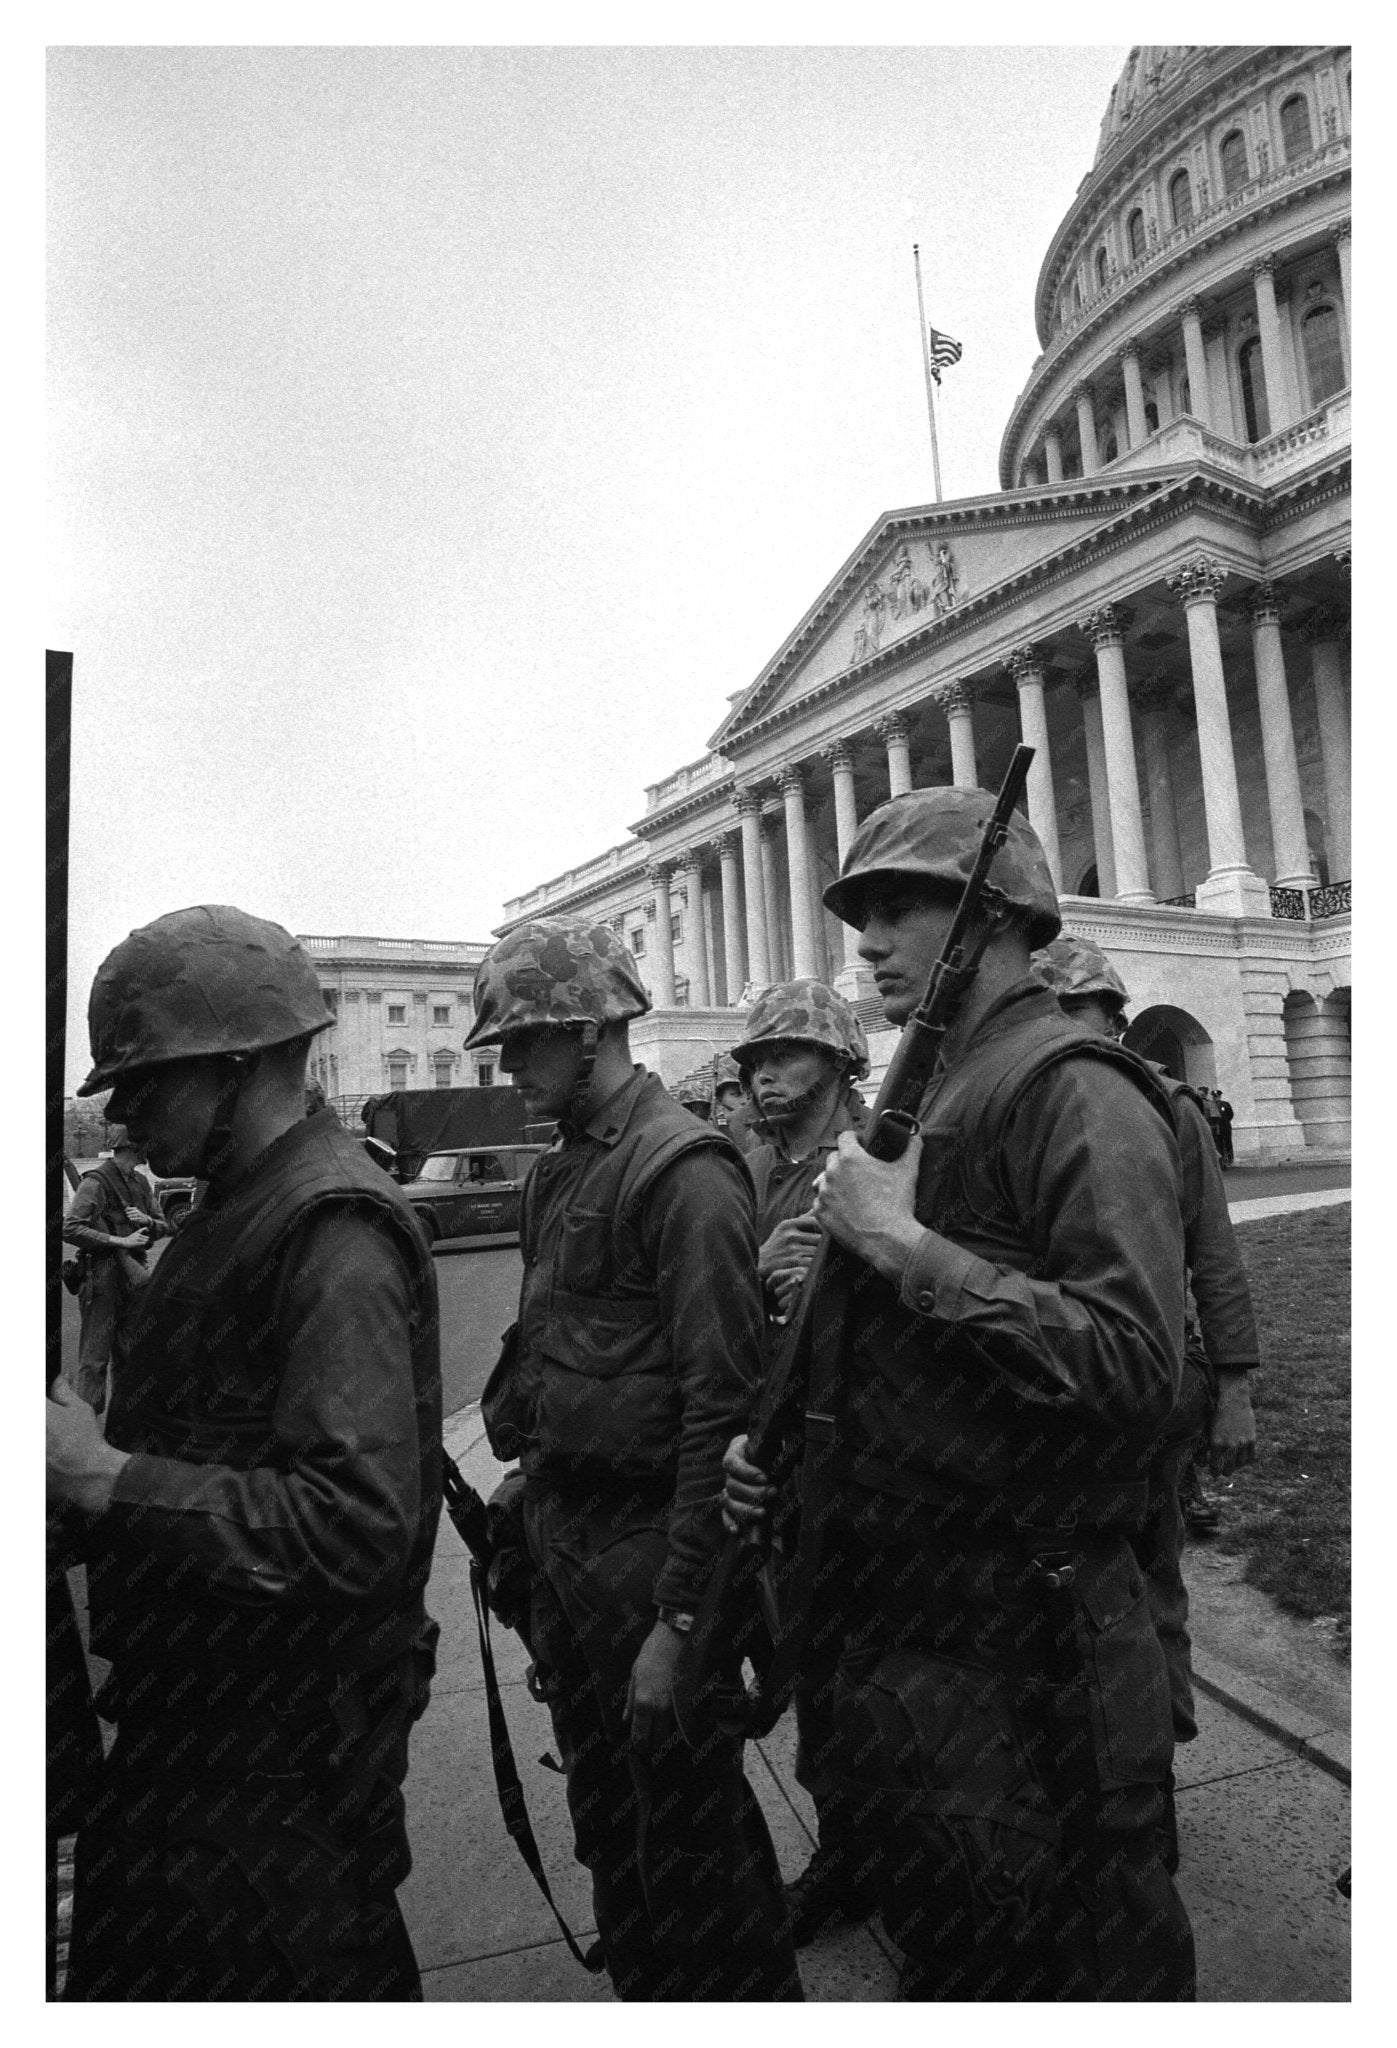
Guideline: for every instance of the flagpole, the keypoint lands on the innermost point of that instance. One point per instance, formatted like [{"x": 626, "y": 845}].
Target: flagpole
[{"x": 926, "y": 366}]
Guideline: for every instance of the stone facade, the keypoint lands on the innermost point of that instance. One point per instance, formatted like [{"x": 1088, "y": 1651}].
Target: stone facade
[
  {"x": 402, "y": 1009},
  {"x": 1156, "y": 599}
]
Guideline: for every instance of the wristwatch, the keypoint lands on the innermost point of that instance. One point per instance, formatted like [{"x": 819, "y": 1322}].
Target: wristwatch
[{"x": 677, "y": 1618}]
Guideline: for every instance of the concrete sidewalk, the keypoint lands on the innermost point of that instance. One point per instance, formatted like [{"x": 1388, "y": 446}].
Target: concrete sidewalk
[{"x": 1263, "y": 1810}]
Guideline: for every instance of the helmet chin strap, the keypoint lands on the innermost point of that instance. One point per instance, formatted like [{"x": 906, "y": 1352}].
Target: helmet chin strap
[
  {"x": 583, "y": 1080},
  {"x": 217, "y": 1147}
]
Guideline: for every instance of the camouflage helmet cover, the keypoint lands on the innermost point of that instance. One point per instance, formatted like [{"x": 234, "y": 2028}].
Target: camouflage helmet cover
[
  {"x": 117, "y": 1135},
  {"x": 810, "y": 1011},
  {"x": 195, "y": 983},
  {"x": 555, "y": 970},
  {"x": 934, "y": 834},
  {"x": 726, "y": 1073},
  {"x": 1074, "y": 966},
  {"x": 693, "y": 1089}
]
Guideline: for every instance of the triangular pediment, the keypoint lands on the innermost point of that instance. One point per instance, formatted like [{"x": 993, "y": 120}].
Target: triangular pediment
[{"x": 917, "y": 575}]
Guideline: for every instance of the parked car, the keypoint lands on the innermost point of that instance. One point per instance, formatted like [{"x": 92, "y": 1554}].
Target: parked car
[
  {"x": 176, "y": 1198},
  {"x": 471, "y": 1193}
]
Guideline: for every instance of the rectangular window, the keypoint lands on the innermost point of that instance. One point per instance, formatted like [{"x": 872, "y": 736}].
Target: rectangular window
[
  {"x": 441, "y": 1073},
  {"x": 485, "y": 1076},
  {"x": 397, "y": 1073},
  {"x": 650, "y": 913},
  {"x": 676, "y": 930},
  {"x": 441, "y": 1013},
  {"x": 332, "y": 1000},
  {"x": 638, "y": 942},
  {"x": 397, "y": 1013}
]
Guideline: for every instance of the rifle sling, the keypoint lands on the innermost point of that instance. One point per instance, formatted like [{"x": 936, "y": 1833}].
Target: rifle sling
[{"x": 507, "y": 1782}]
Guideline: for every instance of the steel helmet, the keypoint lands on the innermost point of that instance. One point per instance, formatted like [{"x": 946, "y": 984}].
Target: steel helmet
[
  {"x": 196, "y": 982},
  {"x": 726, "y": 1073},
  {"x": 117, "y": 1136},
  {"x": 811, "y": 1012},
  {"x": 555, "y": 970},
  {"x": 1074, "y": 966},
  {"x": 934, "y": 835},
  {"x": 693, "y": 1088}
]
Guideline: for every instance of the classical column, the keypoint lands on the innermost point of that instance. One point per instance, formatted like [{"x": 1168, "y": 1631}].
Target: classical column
[
  {"x": 798, "y": 861},
  {"x": 1052, "y": 453},
  {"x": 1086, "y": 429},
  {"x": 1155, "y": 699},
  {"x": 1219, "y": 390},
  {"x": 1268, "y": 322},
  {"x": 658, "y": 877},
  {"x": 1289, "y": 842},
  {"x": 1343, "y": 242},
  {"x": 846, "y": 824},
  {"x": 1105, "y": 628},
  {"x": 1090, "y": 696},
  {"x": 771, "y": 896},
  {"x": 749, "y": 810},
  {"x": 1230, "y": 886},
  {"x": 711, "y": 955},
  {"x": 1190, "y": 313},
  {"x": 695, "y": 945},
  {"x": 955, "y": 700},
  {"x": 1136, "y": 430},
  {"x": 1322, "y": 632},
  {"x": 892, "y": 731},
  {"x": 726, "y": 845},
  {"x": 1026, "y": 667}
]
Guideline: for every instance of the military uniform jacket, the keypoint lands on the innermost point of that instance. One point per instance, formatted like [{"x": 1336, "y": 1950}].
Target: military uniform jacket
[
  {"x": 280, "y": 1397},
  {"x": 1032, "y": 1353},
  {"x": 639, "y": 1337},
  {"x": 1217, "y": 1278}
]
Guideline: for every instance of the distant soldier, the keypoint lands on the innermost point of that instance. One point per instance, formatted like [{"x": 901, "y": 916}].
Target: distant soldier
[
  {"x": 635, "y": 1356},
  {"x": 696, "y": 1096},
  {"x": 113, "y": 1220},
  {"x": 1222, "y": 1340},
  {"x": 802, "y": 1054},
  {"x": 264, "y": 1508},
  {"x": 729, "y": 1099}
]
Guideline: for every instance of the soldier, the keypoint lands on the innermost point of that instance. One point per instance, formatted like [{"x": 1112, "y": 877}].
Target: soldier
[
  {"x": 695, "y": 1096},
  {"x": 730, "y": 1100},
  {"x": 114, "y": 1219},
  {"x": 1222, "y": 1339},
  {"x": 263, "y": 1511},
  {"x": 635, "y": 1355},
  {"x": 803, "y": 1052},
  {"x": 1008, "y": 1343}
]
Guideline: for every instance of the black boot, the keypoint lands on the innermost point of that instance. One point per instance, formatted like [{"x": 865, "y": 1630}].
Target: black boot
[{"x": 824, "y": 1897}]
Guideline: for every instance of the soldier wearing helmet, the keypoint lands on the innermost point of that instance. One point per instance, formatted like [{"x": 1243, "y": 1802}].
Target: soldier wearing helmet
[
  {"x": 1222, "y": 1336},
  {"x": 1010, "y": 1345},
  {"x": 695, "y": 1096},
  {"x": 801, "y": 1054},
  {"x": 114, "y": 1219},
  {"x": 636, "y": 1350},
  {"x": 263, "y": 1510}
]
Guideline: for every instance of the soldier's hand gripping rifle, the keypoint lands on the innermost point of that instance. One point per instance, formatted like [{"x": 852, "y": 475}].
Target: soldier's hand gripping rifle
[{"x": 746, "y": 1613}]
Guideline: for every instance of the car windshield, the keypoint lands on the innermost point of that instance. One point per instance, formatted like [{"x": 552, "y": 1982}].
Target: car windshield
[{"x": 440, "y": 1166}]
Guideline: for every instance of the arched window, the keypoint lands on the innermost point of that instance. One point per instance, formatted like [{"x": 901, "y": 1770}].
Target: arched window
[
  {"x": 1076, "y": 297},
  {"x": 1180, "y": 199},
  {"x": 1089, "y": 885},
  {"x": 1233, "y": 155},
  {"x": 1109, "y": 447},
  {"x": 1295, "y": 128},
  {"x": 1324, "y": 354},
  {"x": 1135, "y": 234},
  {"x": 1101, "y": 269},
  {"x": 1151, "y": 416},
  {"x": 1253, "y": 383}
]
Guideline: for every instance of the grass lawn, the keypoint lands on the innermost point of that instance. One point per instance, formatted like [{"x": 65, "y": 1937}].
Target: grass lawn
[{"x": 1288, "y": 1514}]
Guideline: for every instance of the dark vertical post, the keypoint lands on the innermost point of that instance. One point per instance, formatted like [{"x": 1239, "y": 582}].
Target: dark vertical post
[{"x": 73, "y": 1738}]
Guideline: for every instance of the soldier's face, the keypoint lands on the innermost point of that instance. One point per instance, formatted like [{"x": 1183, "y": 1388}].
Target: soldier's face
[
  {"x": 903, "y": 936},
  {"x": 543, "y": 1062},
  {"x": 170, "y": 1110},
  {"x": 788, "y": 1075}
]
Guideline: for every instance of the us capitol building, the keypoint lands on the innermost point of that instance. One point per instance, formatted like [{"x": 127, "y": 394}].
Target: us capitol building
[{"x": 1155, "y": 598}]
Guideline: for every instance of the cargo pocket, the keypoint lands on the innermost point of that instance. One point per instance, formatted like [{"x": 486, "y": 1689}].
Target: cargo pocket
[{"x": 1131, "y": 1714}]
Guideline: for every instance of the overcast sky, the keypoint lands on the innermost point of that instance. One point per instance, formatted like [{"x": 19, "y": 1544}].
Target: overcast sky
[{"x": 439, "y": 437}]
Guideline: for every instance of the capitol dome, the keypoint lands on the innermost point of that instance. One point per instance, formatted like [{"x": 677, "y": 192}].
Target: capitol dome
[{"x": 1150, "y": 73}]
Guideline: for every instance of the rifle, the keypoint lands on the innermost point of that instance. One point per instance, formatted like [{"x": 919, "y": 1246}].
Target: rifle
[
  {"x": 470, "y": 1516},
  {"x": 744, "y": 1614}
]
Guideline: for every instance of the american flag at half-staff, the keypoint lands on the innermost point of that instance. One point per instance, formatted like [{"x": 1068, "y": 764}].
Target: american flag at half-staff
[{"x": 942, "y": 352}]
